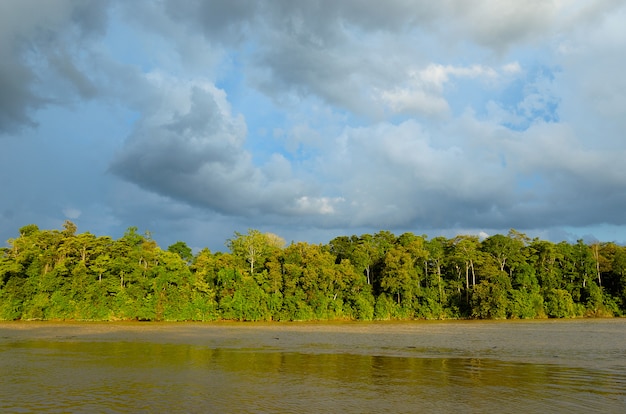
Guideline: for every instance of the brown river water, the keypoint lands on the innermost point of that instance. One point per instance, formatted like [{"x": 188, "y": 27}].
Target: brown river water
[{"x": 546, "y": 366}]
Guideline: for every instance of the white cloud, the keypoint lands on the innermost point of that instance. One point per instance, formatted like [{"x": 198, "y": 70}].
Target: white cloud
[
  {"x": 72, "y": 213},
  {"x": 414, "y": 101},
  {"x": 317, "y": 205},
  {"x": 511, "y": 68},
  {"x": 423, "y": 91}
]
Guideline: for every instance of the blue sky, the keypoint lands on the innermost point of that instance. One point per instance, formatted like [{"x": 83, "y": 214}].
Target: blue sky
[{"x": 196, "y": 119}]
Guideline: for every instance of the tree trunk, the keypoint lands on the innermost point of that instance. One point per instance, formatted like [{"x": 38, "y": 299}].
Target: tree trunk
[
  {"x": 439, "y": 281},
  {"x": 596, "y": 255},
  {"x": 467, "y": 282}
]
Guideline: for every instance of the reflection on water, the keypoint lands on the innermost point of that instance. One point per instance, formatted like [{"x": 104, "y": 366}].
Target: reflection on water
[{"x": 74, "y": 375}]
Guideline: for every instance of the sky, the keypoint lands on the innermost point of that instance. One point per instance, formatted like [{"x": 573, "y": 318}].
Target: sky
[{"x": 193, "y": 120}]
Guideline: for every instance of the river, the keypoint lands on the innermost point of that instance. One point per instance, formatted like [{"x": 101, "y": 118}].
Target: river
[{"x": 572, "y": 366}]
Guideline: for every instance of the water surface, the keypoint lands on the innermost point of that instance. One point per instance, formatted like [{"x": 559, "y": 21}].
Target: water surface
[{"x": 438, "y": 367}]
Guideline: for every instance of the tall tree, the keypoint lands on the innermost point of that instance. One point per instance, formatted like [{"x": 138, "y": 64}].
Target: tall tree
[
  {"x": 254, "y": 247},
  {"x": 466, "y": 251}
]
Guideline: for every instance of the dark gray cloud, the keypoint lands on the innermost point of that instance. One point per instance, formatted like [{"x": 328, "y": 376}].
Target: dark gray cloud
[
  {"x": 222, "y": 21},
  {"x": 17, "y": 98},
  {"x": 34, "y": 35}
]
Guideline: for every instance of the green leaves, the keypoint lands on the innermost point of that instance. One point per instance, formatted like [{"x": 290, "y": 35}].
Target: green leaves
[{"x": 63, "y": 274}]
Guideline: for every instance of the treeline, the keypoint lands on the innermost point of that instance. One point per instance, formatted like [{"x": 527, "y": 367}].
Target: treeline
[{"x": 59, "y": 274}]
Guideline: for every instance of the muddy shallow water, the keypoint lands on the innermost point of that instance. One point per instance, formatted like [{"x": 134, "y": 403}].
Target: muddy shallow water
[{"x": 473, "y": 366}]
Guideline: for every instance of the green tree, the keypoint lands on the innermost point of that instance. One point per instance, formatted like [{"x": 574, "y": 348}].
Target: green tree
[
  {"x": 489, "y": 301},
  {"x": 400, "y": 278},
  {"x": 254, "y": 248},
  {"x": 507, "y": 251},
  {"x": 465, "y": 256},
  {"x": 618, "y": 267},
  {"x": 181, "y": 249},
  {"x": 559, "y": 304}
]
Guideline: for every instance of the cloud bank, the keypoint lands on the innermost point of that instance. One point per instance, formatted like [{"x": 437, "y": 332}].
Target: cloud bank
[{"x": 319, "y": 118}]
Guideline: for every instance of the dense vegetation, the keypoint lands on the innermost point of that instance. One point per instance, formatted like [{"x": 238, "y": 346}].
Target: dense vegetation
[{"x": 59, "y": 274}]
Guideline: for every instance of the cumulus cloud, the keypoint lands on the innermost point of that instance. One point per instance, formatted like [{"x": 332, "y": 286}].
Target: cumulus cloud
[{"x": 193, "y": 148}]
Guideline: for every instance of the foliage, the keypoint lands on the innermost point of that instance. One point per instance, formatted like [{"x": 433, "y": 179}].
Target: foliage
[{"x": 63, "y": 274}]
